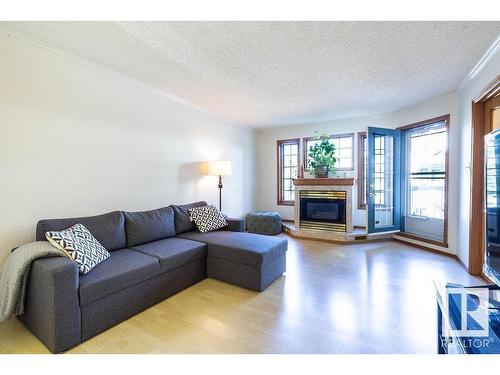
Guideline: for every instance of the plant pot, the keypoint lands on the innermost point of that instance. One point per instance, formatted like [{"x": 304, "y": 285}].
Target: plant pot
[{"x": 322, "y": 171}]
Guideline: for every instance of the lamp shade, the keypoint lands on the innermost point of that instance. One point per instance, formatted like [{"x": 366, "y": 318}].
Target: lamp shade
[{"x": 219, "y": 168}]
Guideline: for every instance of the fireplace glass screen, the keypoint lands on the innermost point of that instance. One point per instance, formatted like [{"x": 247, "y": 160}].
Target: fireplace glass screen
[{"x": 323, "y": 210}]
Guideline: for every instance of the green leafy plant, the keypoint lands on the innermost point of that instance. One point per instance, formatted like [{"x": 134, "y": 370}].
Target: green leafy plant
[{"x": 321, "y": 155}]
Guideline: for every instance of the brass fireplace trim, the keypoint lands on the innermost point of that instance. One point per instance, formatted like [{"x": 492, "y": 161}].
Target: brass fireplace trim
[
  {"x": 332, "y": 227},
  {"x": 318, "y": 194}
]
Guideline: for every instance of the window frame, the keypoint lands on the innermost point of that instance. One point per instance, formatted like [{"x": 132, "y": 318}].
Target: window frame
[
  {"x": 331, "y": 136},
  {"x": 446, "y": 120},
  {"x": 279, "y": 156},
  {"x": 361, "y": 171}
]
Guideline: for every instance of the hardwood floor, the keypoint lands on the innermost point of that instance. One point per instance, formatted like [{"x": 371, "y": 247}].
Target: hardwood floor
[{"x": 363, "y": 298}]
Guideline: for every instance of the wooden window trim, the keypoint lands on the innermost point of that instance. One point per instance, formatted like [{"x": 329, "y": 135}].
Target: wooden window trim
[
  {"x": 331, "y": 136},
  {"x": 361, "y": 137},
  {"x": 446, "y": 119},
  {"x": 477, "y": 221},
  {"x": 430, "y": 121},
  {"x": 279, "y": 164}
]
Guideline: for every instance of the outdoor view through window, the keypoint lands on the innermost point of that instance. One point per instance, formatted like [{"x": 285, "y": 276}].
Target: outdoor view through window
[{"x": 427, "y": 172}]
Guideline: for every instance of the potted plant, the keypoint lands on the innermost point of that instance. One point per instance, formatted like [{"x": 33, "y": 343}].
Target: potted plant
[{"x": 321, "y": 159}]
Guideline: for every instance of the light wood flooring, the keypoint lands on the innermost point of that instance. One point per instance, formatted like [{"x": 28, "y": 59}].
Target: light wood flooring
[{"x": 362, "y": 298}]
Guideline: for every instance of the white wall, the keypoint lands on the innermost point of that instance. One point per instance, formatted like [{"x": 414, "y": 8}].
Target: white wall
[
  {"x": 442, "y": 105},
  {"x": 471, "y": 88},
  {"x": 79, "y": 140}
]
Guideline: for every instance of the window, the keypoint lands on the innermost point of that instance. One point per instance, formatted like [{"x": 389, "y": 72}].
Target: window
[
  {"x": 343, "y": 151},
  {"x": 379, "y": 173},
  {"x": 362, "y": 170},
  {"x": 427, "y": 171},
  {"x": 288, "y": 167},
  {"x": 425, "y": 179}
]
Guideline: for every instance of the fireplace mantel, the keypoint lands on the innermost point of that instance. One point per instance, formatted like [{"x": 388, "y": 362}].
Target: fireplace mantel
[{"x": 324, "y": 181}]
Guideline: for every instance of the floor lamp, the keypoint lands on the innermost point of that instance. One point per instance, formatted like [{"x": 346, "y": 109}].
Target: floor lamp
[{"x": 219, "y": 168}]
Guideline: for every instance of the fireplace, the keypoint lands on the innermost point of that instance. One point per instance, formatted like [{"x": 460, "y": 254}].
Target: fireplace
[{"x": 323, "y": 210}]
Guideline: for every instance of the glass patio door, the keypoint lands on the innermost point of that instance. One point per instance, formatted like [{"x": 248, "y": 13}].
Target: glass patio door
[{"x": 384, "y": 154}]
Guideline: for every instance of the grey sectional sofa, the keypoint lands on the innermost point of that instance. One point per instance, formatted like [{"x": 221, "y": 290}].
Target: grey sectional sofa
[{"x": 154, "y": 255}]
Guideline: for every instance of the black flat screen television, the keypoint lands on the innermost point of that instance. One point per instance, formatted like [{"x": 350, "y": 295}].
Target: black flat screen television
[{"x": 491, "y": 266}]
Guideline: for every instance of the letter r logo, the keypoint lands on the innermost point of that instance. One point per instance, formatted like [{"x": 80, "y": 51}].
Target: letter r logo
[{"x": 468, "y": 310}]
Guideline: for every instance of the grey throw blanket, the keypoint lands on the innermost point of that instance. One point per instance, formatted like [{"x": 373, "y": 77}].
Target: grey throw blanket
[{"x": 14, "y": 276}]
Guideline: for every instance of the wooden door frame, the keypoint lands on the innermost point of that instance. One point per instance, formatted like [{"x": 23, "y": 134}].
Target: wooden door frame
[{"x": 477, "y": 221}]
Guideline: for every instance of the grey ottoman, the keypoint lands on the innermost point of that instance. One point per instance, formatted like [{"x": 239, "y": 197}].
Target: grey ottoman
[{"x": 264, "y": 222}]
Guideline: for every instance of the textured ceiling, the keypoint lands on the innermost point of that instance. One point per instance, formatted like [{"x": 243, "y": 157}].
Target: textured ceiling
[{"x": 281, "y": 73}]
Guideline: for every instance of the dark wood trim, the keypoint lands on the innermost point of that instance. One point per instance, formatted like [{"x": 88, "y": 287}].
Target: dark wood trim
[
  {"x": 360, "y": 176},
  {"x": 425, "y": 122},
  {"x": 476, "y": 219},
  {"x": 324, "y": 181},
  {"x": 331, "y": 136},
  {"x": 288, "y": 220},
  {"x": 446, "y": 119},
  {"x": 490, "y": 91},
  {"x": 279, "y": 163},
  {"x": 362, "y": 227},
  {"x": 489, "y": 106},
  {"x": 423, "y": 239},
  {"x": 446, "y": 179}
]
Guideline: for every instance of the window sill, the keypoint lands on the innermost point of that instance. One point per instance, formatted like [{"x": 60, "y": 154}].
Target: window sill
[
  {"x": 292, "y": 203},
  {"x": 345, "y": 169},
  {"x": 418, "y": 217},
  {"x": 423, "y": 239}
]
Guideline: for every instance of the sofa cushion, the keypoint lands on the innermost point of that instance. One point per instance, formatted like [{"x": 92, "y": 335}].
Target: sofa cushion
[
  {"x": 247, "y": 248},
  {"x": 173, "y": 252},
  {"x": 124, "y": 268},
  {"x": 108, "y": 229},
  {"x": 147, "y": 226},
  {"x": 207, "y": 218},
  {"x": 80, "y": 246},
  {"x": 182, "y": 221}
]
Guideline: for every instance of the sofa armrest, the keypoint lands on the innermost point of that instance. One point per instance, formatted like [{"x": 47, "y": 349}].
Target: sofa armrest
[
  {"x": 52, "y": 306},
  {"x": 235, "y": 225}
]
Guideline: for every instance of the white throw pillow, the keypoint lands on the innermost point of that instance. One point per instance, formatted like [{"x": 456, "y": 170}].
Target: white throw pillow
[
  {"x": 79, "y": 245},
  {"x": 207, "y": 218}
]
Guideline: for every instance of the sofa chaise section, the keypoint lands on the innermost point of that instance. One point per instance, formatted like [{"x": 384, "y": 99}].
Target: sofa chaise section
[{"x": 249, "y": 260}]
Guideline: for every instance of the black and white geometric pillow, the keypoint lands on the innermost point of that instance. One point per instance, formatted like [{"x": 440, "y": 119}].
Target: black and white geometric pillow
[
  {"x": 207, "y": 218},
  {"x": 79, "y": 245}
]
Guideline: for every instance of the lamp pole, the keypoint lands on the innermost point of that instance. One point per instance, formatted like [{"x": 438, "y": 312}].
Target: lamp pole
[{"x": 220, "y": 193}]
